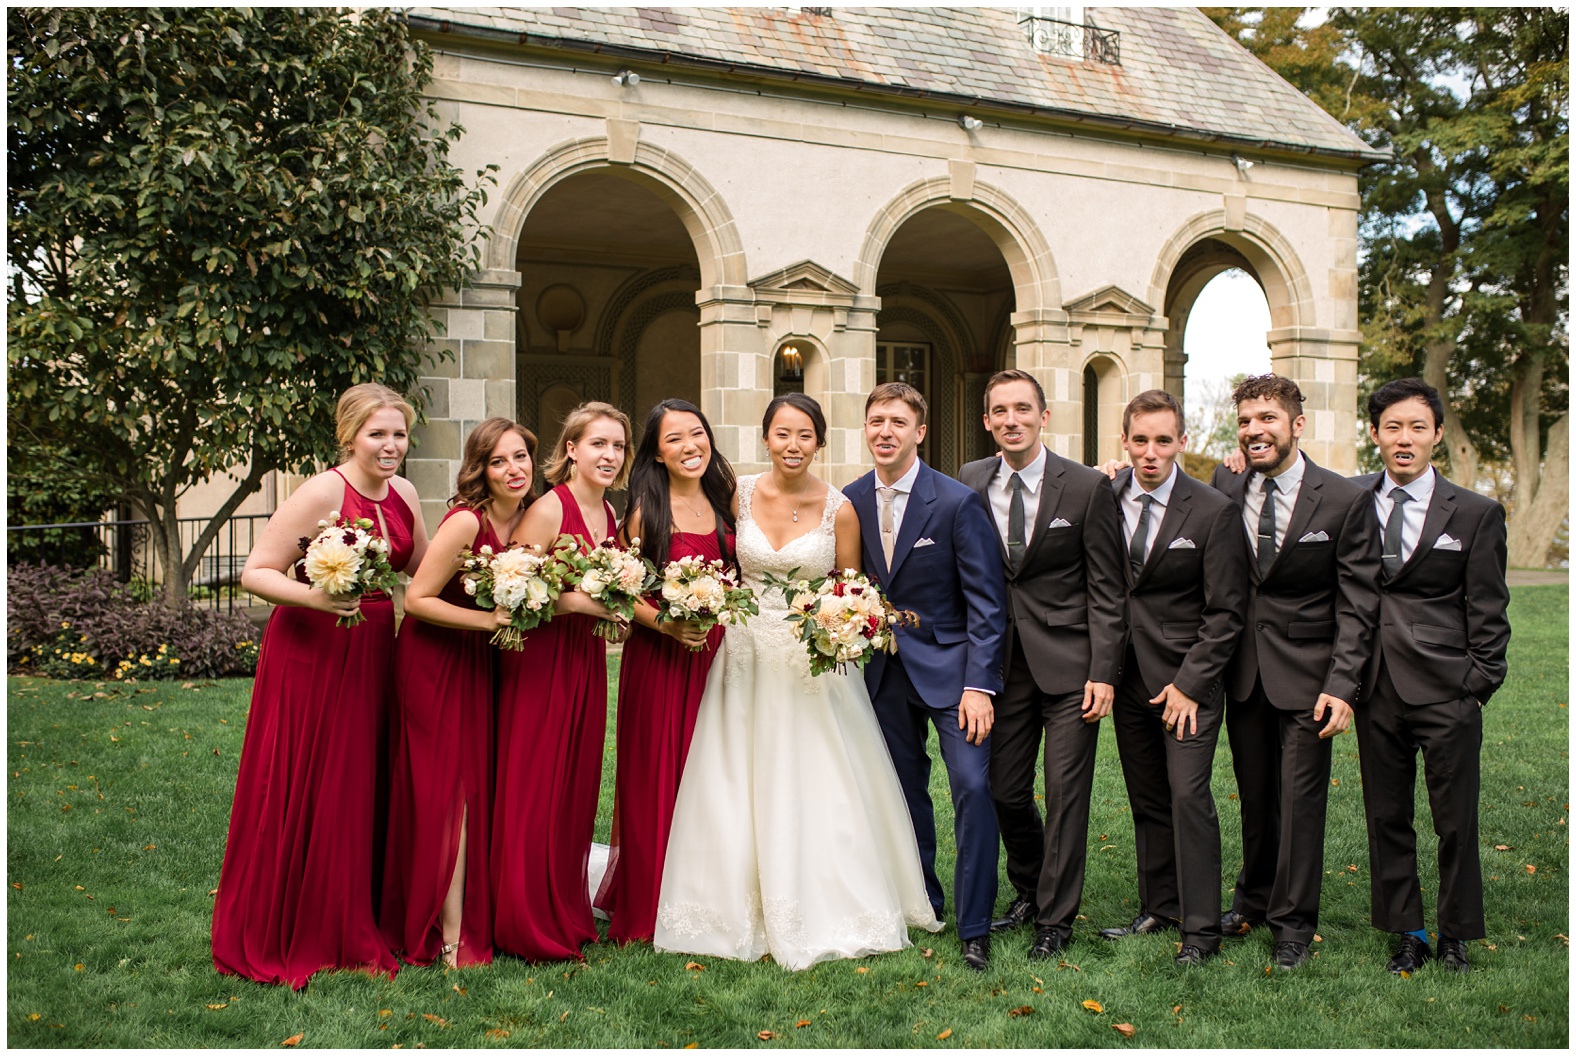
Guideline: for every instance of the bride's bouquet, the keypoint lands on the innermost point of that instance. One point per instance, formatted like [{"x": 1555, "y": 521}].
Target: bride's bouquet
[
  {"x": 348, "y": 557},
  {"x": 704, "y": 592},
  {"x": 523, "y": 581},
  {"x": 842, "y": 617},
  {"x": 615, "y": 576}
]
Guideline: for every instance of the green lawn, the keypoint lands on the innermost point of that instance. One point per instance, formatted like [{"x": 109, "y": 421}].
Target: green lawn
[{"x": 117, "y": 806}]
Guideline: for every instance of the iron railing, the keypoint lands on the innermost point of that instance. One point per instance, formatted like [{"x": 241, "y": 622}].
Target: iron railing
[
  {"x": 1073, "y": 40},
  {"x": 125, "y": 547}
]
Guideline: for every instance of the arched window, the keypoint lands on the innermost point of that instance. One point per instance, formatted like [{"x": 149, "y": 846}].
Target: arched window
[{"x": 1091, "y": 416}]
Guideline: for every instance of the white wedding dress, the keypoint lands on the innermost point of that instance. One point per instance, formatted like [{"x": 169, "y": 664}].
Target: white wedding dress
[{"x": 790, "y": 834}]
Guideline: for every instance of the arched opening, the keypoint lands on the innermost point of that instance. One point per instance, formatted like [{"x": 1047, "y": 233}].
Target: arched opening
[
  {"x": 608, "y": 277},
  {"x": 1104, "y": 398},
  {"x": 1223, "y": 338},
  {"x": 945, "y": 290}
]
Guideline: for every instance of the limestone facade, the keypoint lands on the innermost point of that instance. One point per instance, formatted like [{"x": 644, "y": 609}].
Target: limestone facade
[{"x": 675, "y": 236}]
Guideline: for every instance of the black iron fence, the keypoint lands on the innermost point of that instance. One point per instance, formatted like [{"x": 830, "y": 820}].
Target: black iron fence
[{"x": 126, "y": 548}]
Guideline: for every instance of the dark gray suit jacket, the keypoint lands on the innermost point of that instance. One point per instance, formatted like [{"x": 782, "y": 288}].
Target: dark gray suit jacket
[
  {"x": 1310, "y": 622},
  {"x": 1442, "y": 624},
  {"x": 1184, "y": 609},
  {"x": 1066, "y": 599}
]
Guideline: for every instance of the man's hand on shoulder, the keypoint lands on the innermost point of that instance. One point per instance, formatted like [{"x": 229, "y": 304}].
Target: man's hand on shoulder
[
  {"x": 1114, "y": 466},
  {"x": 976, "y": 715},
  {"x": 1235, "y": 460}
]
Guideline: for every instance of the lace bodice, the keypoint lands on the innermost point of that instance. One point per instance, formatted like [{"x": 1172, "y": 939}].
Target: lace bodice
[{"x": 813, "y": 554}]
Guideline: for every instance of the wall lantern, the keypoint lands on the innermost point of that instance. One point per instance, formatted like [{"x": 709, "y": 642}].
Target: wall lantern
[
  {"x": 970, "y": 123},
  {"x": 626, "y": 78},
  {"x": 789, "y": 375}
]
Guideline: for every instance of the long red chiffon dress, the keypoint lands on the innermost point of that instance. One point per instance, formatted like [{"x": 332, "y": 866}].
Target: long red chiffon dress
[
  {"x": 552, "y": 718},
  {"x": 298, "y": 885},
  {"x": 441, "y": 778},
  {"x": 659, "y": 688}
]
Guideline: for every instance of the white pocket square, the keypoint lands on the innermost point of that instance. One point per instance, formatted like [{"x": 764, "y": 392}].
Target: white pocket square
[
  {"x": 1060, "y": 522},
  {"x": 1315, "y": 537},
  {"x": 924, "y": 542},
  {"x": 1182, "y": 544},
  {"x": 1447, "y": 543}
]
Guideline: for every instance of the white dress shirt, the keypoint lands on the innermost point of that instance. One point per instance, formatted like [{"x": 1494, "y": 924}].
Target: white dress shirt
[
  {"x": 904, "y": 485},
  {"x": 1032, "y": 476},
  {"x": 1413, "y": 511},
  {"x": 1133, "y": 508},
  {"x": 1286, "y": 486}
]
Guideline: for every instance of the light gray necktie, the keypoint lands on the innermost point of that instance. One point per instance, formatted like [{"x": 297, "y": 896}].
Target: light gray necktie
[{"x": 887, "y": 497}]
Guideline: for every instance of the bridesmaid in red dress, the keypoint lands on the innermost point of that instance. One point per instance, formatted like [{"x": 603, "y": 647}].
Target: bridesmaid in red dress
[
  {"x": 437, "y": 900},
  {"x": 297, "y": 889},
  {"x": 680, "y": 504},
  {"x": 552, "y": 712}
]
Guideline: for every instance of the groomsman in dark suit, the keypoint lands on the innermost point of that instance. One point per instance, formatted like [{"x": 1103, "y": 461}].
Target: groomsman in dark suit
[
  {"x": 1440, "y": 656},
  {"x": 1057, "y": 526},
  {"x": 926, "y": 539},
  {"x": 1313, "y": 609},
  {"x": 1187, "y": 585}
]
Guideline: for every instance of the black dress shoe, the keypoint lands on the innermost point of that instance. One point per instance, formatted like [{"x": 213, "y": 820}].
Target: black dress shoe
[
  {"x": 1048, "y": 943},
  {"x": 1234, "y": 923},
  {"x": 1410, "y": 955},
  {"x": 1190, "y": 956},
  {"x": 1453, "y": 954},
  {"x": 976, "y": 952},
  {"x": 1021, "y": 912},
  {"x": 1143, "y": 924},
  {"x": 1291, "y": 954}
]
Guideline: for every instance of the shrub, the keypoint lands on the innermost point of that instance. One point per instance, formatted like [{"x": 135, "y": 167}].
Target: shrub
[{"x": 69, "y": 624}]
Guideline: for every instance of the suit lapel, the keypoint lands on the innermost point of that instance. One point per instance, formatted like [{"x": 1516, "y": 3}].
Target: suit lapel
[
  {"x": 1308, "y": 496},
  {"x": 1176, "y": 514},
  {"x": 1051, "y": 484},
  {"x": 915, "y": 516},
  {"x": 864, "y": 500},
  {"x": 1434, "y": 521},
  {"x": 985, "y": 482}
]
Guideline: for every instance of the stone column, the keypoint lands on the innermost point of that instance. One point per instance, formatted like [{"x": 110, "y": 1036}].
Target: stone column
[
  {"x": 1324, "y": 365},
  {"x": 735, "y": 372},
  {"x": 475, "y": 381},
  {"x": 1041, "y": 347}
]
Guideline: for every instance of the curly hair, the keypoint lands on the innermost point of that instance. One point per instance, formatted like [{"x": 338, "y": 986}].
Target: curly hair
[
  {"x": 470, "y": 484},
  {"x": 1283, "y": 391}
]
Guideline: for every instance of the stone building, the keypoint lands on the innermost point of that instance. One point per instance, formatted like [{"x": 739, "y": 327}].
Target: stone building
[{"x": 724, "y": 203}]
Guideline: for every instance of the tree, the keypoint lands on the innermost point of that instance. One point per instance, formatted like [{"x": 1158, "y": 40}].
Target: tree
[
  {"x": 1464, "y": 275},
  {"x": 218, "y": 220}
]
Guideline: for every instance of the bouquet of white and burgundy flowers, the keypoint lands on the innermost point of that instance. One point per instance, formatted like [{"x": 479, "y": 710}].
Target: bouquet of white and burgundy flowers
[
  {"x": 705, "y": 592},
  {"x": 614, "y": 576},
  {"x": 842, "y": 617},
  {"x": 348, "y": 557},
  {"x": 521, "y": 580}
]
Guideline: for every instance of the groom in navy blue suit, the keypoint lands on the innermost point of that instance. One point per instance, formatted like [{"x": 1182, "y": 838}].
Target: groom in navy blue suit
[{"x": 928, "y": 540}]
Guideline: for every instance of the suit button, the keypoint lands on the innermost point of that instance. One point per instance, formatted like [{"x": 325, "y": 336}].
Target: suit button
[{"x": 1258, "y": 626}]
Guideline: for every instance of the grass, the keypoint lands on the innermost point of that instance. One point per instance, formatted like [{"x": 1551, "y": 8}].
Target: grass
[{"x": 118, "y": 799}]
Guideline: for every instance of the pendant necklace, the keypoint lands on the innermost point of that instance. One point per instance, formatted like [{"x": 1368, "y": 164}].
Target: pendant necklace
[{"x": 687, "y": 506}]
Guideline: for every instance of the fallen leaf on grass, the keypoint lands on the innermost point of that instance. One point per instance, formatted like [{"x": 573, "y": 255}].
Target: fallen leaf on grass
[
  {"x": 1504, "y": 1008},
  {"x": 1038, "y": 990},
  {"x": 693, "y": 1045},
  {"x": 1564, "y": 940},
  {"x": 151, "y": 846},
  {"x": 77, "y": 966},
  {"x": 294, "y": 1039},
  {"x": 1532, "y": 869},
  {"x": 385, "y": 1012},
  {"x": 497, "y": 1032},
  {"x": 1124, "y": 1029},
  {"x": 1503, "y": 847},
  {"x": 1028, "y": 1010},
  {"x": 458, "y": 989},
  {"x": 1063, "y": 964},
  {"x": 1094, "y": 1006},
  {"x": 564, "y": 1016},
  {"x": 1317, "y": 937},
  {"x": 430, "y": 1018},
  {"x": 694, "y": 966},
  {"x": 862, "y": 969},
  {"x": 926, "y": 952},
  {"x": 766, "y": 1035},
  {"x": 1405, "y": 974},
  {"x": 217, "y": 1007},
  {"x": 944, "y": 1035},
  {"x": 17, "y": 886},
  {"x": 802, "y": 1023},
  {"x": 1268, "y": 969},
  {"x": 1175, "y": 1009},
  {"x": 34, "y": 1017}
]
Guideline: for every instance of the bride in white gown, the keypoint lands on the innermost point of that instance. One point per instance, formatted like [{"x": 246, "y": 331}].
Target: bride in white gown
[{"x": 790, "y": 834}]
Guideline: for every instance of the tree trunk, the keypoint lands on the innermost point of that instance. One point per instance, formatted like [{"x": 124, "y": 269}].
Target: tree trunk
[
  {"x": 1532, "y": 524},
  {"x": 1463, "y": 453},
  {"x": 175, "y": 595}
]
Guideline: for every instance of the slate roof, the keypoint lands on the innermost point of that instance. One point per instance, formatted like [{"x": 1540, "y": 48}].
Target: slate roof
[{"x": 1179, "y": 74}]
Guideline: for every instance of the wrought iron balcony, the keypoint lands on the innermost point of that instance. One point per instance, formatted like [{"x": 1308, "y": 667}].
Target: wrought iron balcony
[{"x": 1073, "y": 40}]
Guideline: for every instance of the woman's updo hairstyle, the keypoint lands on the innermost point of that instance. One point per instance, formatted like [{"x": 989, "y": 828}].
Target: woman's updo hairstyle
[{"x": 360, "y": 402}]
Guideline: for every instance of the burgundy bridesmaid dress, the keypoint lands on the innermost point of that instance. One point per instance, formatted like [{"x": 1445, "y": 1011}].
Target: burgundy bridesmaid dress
[
  {"x": 552, "y": 718},
  {"x": 441, "y": 778},
  {"x": 298, "y": 884},
  {"x": 659, "y": 690}
]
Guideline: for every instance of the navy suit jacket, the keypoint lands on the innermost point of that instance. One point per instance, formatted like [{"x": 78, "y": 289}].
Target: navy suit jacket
[{"x": 954, "y": 582}]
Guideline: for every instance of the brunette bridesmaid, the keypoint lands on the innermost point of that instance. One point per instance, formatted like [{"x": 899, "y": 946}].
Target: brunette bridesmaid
[
  {"x": 297, "y": 889},
  {"x": 437, "y": 897},
  {"x": 552, "y": 712},
  {"x": 680, "y": 500}
]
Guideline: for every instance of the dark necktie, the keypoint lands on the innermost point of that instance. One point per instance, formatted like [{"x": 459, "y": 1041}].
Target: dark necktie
[
  {"x": 1015, "y": 522},
  {"x": 1135, "y": 547},
  {"x": 1267, "y": 528},
  {"x": 1390, "y": 556}
]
